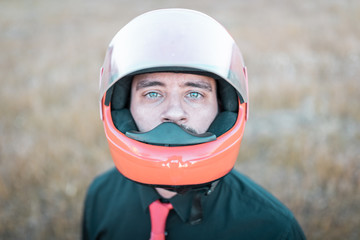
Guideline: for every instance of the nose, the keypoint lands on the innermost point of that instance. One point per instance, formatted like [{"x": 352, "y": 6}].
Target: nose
[{"x": 174, "y": 111}]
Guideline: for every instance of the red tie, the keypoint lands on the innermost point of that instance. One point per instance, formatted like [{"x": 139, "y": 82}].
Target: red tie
[{"x": 158, "y": 214}]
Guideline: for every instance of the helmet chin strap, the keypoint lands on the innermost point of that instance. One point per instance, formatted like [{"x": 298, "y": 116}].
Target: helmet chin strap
[
  {"x": 206, "y": 188},
  {"x": 196, "y": 214}
]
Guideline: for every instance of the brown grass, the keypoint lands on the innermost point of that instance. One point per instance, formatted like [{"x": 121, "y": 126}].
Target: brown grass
[{"x": 301, "y": 142}]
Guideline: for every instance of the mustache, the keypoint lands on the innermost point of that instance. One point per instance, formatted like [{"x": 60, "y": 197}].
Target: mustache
[{"x": 189, "y": 129}]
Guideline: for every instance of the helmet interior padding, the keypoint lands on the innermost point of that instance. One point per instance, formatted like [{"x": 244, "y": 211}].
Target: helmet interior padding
[{"x": 119, "y": 96}]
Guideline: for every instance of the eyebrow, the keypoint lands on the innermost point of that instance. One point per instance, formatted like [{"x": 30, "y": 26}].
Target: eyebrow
[
  {"x": 202, "y": 85},
  {"x": 148, "y": 83}
]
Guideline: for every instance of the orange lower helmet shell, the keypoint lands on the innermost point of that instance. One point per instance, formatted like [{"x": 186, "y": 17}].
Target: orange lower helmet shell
[{"x": 174, "y": 166}]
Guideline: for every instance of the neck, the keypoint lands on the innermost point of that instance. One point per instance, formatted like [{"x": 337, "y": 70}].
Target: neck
[{"x": 165, "y": 193}]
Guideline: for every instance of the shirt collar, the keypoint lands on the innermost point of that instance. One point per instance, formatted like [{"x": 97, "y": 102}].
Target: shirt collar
[
  {"x": 181, "y": 203},
  {"x": 147, "y": 195}
]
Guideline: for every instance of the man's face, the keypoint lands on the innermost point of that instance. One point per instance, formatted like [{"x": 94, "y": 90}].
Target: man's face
[{"x": 188, "y": 100}]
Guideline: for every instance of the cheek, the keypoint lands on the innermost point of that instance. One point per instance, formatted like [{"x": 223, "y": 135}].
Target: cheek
[{"x": 144, "y": 117}]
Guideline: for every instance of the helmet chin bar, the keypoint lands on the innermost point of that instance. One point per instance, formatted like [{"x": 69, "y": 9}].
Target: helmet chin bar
[{"x": 170, "y": 134}]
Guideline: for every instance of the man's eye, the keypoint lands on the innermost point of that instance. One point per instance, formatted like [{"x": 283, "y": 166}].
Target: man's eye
[
  {"x": 152, "y": 95},
  {"x": 194, "y": 95}
]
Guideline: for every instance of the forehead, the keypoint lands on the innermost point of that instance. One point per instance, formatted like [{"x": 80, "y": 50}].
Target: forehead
[{"x": 169, "y": 78}]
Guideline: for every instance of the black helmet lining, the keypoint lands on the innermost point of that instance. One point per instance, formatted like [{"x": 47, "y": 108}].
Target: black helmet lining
[{"x": 119, "y": 96}]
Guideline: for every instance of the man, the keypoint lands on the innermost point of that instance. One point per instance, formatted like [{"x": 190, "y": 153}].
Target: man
[{"x": 174, "y": 102}]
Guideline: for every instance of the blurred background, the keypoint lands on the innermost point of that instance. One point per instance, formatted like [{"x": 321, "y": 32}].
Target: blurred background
[{"x": 301, "y": 141}]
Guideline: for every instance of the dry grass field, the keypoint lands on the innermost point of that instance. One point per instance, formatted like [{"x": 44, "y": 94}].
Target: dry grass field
[{"x": 301, "y": 142}]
